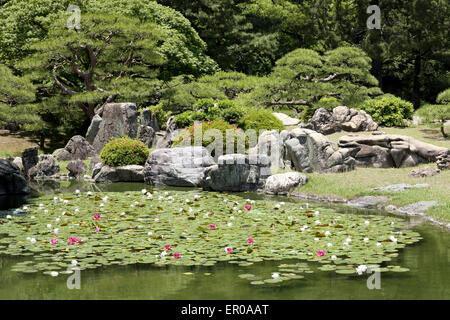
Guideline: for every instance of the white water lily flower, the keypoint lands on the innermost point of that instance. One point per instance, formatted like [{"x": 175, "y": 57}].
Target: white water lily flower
[
  {"x": 8, "y": 217},
  {"x": 105, "y": 198},
  {"x": 393, "y": 239},
  {"x": 361, "y": 269},
  {"x": 317, "y": 222},
  {"x": 32, "y": 240},
  {"x": 348, "y": 240},
  {"x": 307, "y": 205},
  {"x": 316, "y": 239},
  {"x": 378, "y": 244},
  {"x": 235, "y": 208},
  {"x": 239, "y": 211},
  {"x": 66, "y": 201},
  {"x": 196, "y": 197},
  {"x": 251, "y": 202},
  {"x": 77, "y": 191},
  {"x": 25, "y": 208},
  {"x": 329, "y": 244},
  {"x": 392, "y": 223},
  {"x": 290, "y": 218},
  {"x": 77, "y": 210},
  {"x": 282, "y": 203},
  {"x": 74, "y": 262},
  {"x": 143, "y": 191},
  {"x": 248, "y": 200},
  {"x": 166, "y": 193},
  {"x": 163, "y": 254},
  {"x": 277, "y": 206},
  {"x": 131, "y": 205},
  {"x": 316, "y": 213},
  {"x": 56, "y": 230},
  {"x": 32, "y": 217},
  {"x": 45, "y": 211},
  {"x": 89, "y": 193},
  {"x": 102, "y": 204},
  {"x": 156, "y": 219},
  {"x": 63, "y": 213},
  {"x": 366, "y": 222},
  {"x": 122, "y": 214},
  {"x": 170, "y": 198},
  {"x": 327, "y": 233},
  {"x": 275, "y": 275},
  {"x": 55, "y": 198},
  {"x": 333, "y": 257},
  {"x": 41, "y": 205},
  {"x": 366, "y": 239},
  {"x": 232, "y": 218},
  {"x": 150, "y": 233},
  {"x": 49, "y": 225},
  {"x": 190, "y": 210},
  {"x": 57, "y": 220},
  {"x": 54, "y": 273},
  {"x": 229, "y": 224}
]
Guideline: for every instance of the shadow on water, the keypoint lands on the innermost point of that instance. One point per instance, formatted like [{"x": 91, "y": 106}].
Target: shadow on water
[{"x": 428, "y": 261}]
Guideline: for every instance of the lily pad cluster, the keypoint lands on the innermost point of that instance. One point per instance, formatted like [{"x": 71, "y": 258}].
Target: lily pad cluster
[{"x": 193, "y": 228}]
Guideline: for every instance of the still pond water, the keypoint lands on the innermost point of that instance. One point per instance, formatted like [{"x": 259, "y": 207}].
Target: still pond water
[{"x": 428, "y": 261}]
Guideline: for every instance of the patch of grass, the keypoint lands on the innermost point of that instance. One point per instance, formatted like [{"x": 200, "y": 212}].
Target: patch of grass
[
  {"x": 421, "y": 133},
  {"x": 63, "y": 165},
  {"x": 361, "y": 181},
  {"x": 12, "y": 145}
]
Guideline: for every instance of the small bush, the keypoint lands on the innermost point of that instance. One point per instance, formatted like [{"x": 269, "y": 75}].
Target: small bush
[
  {"x": 161, "y": 115},
  {"x": 388, "y": 110},
  {"x": 124, "y": 151},
  {"x": 233, "y": 114},
  {"x": 260, "y": 120}
]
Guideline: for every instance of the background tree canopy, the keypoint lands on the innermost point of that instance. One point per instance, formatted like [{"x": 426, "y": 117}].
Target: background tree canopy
[{"x": 169, "y": 54}]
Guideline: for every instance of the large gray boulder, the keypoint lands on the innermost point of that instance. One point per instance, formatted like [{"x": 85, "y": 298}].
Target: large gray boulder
[
  {"x": 237, "y": 172},
  {"x": 118, "y": 120},
  {"x": 284, "y": 183},
  {"x": 180, "y": 167},
  {"x": 93, "y": 128},
  {"x": 107, "y": 174},
  {"x": 78, "y": 148},
  {"x": 29, "y": 159},
  {"x": 147, "y": 135},
  {"x": 76, "y": 168},
  {"x": 11, "y": 180},
  {"x": 341, "y": 118},
  {"x": 381, "y": 150},
  {"x": 309, "y": 151},
  {"x": 45, "y": 168},
  {"x": 148, "y": 119}
]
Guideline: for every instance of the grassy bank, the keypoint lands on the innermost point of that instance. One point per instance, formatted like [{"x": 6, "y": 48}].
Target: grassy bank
[
  {"x": 357, "y": 183},
  {"x": 12, "y": 145}
]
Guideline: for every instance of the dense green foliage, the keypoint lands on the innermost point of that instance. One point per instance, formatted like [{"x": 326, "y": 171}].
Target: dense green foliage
[
  {"x": 437, "y": 114},
  {"x": 260, "y": 119},
  {"x": 124, "y": 151},
  {"x": 389, "y": 110}
]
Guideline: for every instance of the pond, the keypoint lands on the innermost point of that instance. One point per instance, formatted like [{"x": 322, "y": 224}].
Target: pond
[{"x": 422, "y": 248}]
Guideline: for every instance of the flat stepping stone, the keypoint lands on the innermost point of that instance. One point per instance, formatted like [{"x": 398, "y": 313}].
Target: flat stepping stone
[
  {"x": 367, "y": 201},
  {"x": 401, "y": 187},
  {"x": 286, "y": 120},
  {"x": 417, "y": 207}
]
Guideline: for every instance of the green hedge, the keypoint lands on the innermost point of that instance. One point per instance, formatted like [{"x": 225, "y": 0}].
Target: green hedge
[
  {"x": 124, "y": 151},
  {"x": 389, "y": 110},
  {"x": 260, "y": 120}
]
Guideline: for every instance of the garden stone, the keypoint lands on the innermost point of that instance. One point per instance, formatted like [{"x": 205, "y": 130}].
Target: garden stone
[
  {"x": 424, "y": 172},
  {"x": 93, "y": 128},
  {"x": 146, "y": 135},
  {"x": 390, "y": 151},
  {"x": 96, "y": 169},
  {"x": 76, "y": 168},
  {"x": 443, "y": 160},
  {"x": 11, "y": 180},
  {"x": 147, "y": 119},
  {"x": 46, "y": 167},
  {"x": 283, "y": 183},
  {"x": 401, "y": 187},
  {"x": 78, "y": 148},
  {"x": 130, "y": 173},
  {"x": 367, "y": 201},
  {"x": 29, "y": 159},
  {"x": 165, "y": 140},
  {"x": 323, "y": 121},
  {"x": 180, "y": 167},
  {"x": 237, "y": 172},
  {"x": 286, "y": 120},
  {"x": 18, "y": 162},
  {"x": 93, "y": 162},
  {"x": 309, "y": 151},
  {"x": 271, "y": 143},
  {"x": 118, "y": 120},
  {"x": 417, "y": 208}
]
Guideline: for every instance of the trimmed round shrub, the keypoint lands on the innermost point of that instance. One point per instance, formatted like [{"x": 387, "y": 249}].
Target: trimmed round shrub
[
  {"x": 124, "y": 151},
  {"x": 389, "y": 110},
  {"x": 233, "y": 114},
  {"x": 260, "y": 120}
]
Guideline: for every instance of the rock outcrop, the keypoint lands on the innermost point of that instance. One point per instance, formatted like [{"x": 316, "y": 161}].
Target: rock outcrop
[
  {"x": 11, "y": 180},
  {"x": 180, "y": 167},
  {"x": 45, "y": 168},
  {"x": 106, "y": 174},
  {"x": 78, "y": 148},
  {"x": 117, "y": 120},
  {"x": 341, "y": 118},
  {"x": 237, "y": 172},
  {"x": 284, "y": 183},
  {"x": 76, "y": 168},
  {"x": 30, "y": 158},
  {"x": 309, "y": 151},
  {"x": 443, "y": 160},
  {"x": 389, "y": 151}
]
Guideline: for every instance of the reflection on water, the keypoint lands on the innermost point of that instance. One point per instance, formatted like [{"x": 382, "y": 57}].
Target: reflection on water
[{"x": 429, "y": 261}]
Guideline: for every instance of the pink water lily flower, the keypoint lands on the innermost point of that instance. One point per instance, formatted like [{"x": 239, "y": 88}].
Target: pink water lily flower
[
  {"x": 97, "y": 229},
  {"x": 229, "y": 250},
  {"x": 248, "y": 208},
  {"x": 167, "y": 247},
  {"x": 250, "y": 240},
  {"x": 321, "y": 253},
  {"x": 212, "y": 227},
  {"x": 53, "y": 241},
  {"x": 176, "y": 255},
  {"x": 73, "y": 240},
  {"x": 97, "y": 216}
]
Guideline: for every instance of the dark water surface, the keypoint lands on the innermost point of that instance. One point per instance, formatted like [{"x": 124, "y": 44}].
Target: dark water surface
[{"x": 428, "y": 261}]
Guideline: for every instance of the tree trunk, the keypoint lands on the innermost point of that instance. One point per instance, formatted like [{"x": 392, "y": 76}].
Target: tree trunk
[{"x": 416, "y": 82}]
